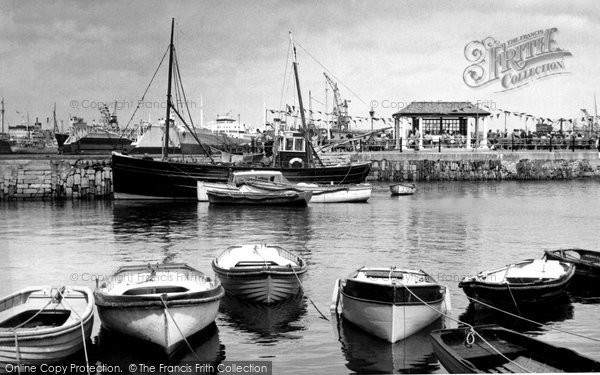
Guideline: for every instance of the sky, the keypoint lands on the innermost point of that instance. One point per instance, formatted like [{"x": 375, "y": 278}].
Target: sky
[{"x": 233, "y": 55}]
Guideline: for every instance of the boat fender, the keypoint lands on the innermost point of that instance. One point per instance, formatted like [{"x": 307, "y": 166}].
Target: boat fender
[
  {"x": 447, "y": 301},
  {"x": 296, "y": 163},
  {"x": 335, "y": 298}
]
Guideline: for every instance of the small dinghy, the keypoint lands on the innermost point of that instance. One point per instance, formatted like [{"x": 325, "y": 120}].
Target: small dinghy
[
  {"x": 390, "y": 303},
  {"x": 527, "y": 283},
  {"x": 260, "y": 273},
  {"x": 44, "y": 324},
  {"x": 462, "y": 351},
  {"x": 163, "y": 304},
  {"x": 352, "y": 193},
  {"x": 403, "y": 189},
  {"x": 586, "y": 262}
]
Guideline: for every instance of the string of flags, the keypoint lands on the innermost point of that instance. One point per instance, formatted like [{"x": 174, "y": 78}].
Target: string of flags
[
  {"x": 497, "y": 112},
  {"x": 293, "y": 111}
]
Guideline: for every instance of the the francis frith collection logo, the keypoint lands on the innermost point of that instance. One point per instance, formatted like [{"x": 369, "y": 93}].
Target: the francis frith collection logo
[{"x": 514, "y": 63}]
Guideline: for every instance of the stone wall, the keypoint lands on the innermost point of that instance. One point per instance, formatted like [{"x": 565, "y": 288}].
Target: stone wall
[
  {"x": 482, "y": 166},
  {"x": 56, "y": 177},
  {"x": 68, "y": 177}
]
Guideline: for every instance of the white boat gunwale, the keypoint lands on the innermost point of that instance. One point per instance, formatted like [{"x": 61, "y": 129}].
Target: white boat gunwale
[
  {"x": 479, "y": 278},
  {"x": 262, "y": 269},
  {"x": 106, "y": 300}
]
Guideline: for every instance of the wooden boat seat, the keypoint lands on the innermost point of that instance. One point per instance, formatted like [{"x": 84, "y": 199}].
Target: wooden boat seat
[
  {"x": 480, "y": 351},
  {"x": 255, "y": 263}
]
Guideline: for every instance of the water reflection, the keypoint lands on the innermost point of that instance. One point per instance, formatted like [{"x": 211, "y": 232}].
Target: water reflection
[
  {"x": 476, "y": 314},
  {"x": 136, "y": 221},
  {"x": 368, "y": 354},
  {"x": 269, "y": 323},
  {"x": 113, "y": 349}
]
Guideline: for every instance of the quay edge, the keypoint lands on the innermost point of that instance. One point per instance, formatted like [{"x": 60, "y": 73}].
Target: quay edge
[{"x": 54, "y": 177}]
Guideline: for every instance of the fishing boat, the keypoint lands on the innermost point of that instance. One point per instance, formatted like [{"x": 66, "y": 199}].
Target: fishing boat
[
  {"x": 586, "y": 262},
  {"x": 44, "y": 324},
  {"x": 530, "y": 282},
  {"x": 277, "y": 198},
  {"x": 494, "y": 349},
  {"x": 390, "y": 303},
  {"x": 162, "y": 304},
  {"x": 94, "y": 139},
  {"x": 136, "y": 177},
  {"x": 403, "y": 189},
  {"x": 260, "y": 273}
]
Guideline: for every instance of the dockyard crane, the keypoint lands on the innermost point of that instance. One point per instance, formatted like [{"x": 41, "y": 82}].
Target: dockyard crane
[{"x": 340, "y": 108}]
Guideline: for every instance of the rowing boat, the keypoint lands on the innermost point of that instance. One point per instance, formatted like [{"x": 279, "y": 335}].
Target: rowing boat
[
  {"x": 163, "y": 304},
  {"x": 42, "y": 325}
]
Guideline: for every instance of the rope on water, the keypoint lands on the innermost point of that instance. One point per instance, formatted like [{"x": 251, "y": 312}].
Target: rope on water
[
  {"x": 472, "y": 329},
  {"x": 85, "y": 352},
  {"x": 526, "y": 319},
  {"x": 180, "y": 332},
  {"x": 311, "y": 301}
]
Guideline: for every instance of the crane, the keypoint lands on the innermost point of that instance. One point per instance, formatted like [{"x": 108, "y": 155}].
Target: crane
[{"x": 340, "y": 108}]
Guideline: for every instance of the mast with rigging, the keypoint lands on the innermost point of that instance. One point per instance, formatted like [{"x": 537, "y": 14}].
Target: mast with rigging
[{"x": 165, "y": 151}]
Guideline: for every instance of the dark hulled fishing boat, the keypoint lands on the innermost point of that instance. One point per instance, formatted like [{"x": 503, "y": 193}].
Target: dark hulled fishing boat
[{"x": 147, "y": 178}]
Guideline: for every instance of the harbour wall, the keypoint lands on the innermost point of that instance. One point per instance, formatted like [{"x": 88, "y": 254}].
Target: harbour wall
[{"x": 50, "y": 177}]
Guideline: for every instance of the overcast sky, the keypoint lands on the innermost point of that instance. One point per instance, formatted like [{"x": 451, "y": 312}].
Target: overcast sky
[{"x": 233, "y": 54}]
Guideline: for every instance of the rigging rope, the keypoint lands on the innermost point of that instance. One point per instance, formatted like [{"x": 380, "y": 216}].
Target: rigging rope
[
  {"x": 145, "y": 92},
  {"x": 311, "y": 301},
  {"x": 333, "y": 75}
]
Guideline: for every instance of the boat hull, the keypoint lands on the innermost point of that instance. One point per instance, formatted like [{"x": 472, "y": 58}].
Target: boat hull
[
  {"x": 390, "y": 322},
  {"x": 354, "y": 194},
  {"x": 403, "y": 189},
  {"x": 262, "y": 287},
  {"x": 525, "y": 353},
  {"x": 262, "y": 199},
  {"x": 138, "y": 177},
  {"x": 155, "y": 325},
  {"x": 46, "y": 345},
  {"x": 96, "y": 145},
  {"x": 526, "y": 294}
]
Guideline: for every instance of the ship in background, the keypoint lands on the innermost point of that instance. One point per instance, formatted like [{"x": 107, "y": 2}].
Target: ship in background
[
  {"x": 4, "y": 137},
  {"x": 96, "y": 139}
]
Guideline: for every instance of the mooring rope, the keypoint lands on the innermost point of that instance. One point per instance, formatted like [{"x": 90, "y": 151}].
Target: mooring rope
[
  {"x": 180, "y": 332},
  {"x": 85, "y": 352},
  {"x": 513, "y": 297},
  {"x": 310, "y": 299},
  {"x": 526, "y": 319},
  {"x": 472, "y": 330}
]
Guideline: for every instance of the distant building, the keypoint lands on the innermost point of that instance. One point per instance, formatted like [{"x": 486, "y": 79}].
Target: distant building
[{"x": 436, "y": 118}]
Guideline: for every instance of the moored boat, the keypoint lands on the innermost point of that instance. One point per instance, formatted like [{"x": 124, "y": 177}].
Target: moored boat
[
  {"x": 42, "y": 325},
  {"x": 403, "y": 189},
  {"x": 146, "y": 178},
  {"x": 390, "y": 303},
  {"x": 463, "y": 351},
  {"x": 162, "y": 304},
  {"x": 586, "y": 262},
  {"x": 526, "y": 283},
  {"x": 276, "y": 198},
  {"x": 260, "y": 273},
  {"x": 238, "y": 179},
  {"x": 353, "y": 193}
]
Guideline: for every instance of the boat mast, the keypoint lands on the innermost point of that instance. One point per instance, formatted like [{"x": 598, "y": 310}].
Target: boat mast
[
  {"x": 302, "y": 117},
  {"x": 54, "y": 116},
  {"x": 165, "y": 150},
  {"x": 2, "y": 111}
]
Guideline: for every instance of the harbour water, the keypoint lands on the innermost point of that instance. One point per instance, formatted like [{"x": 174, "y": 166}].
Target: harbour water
[{"x": 449, "y": 229}]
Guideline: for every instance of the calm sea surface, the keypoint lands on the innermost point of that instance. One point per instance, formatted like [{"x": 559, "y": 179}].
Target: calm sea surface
[{"x": 450, "y": 230}]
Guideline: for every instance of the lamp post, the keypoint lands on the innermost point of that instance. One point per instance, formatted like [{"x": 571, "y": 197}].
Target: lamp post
[{"x": 372, "y": 114}]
